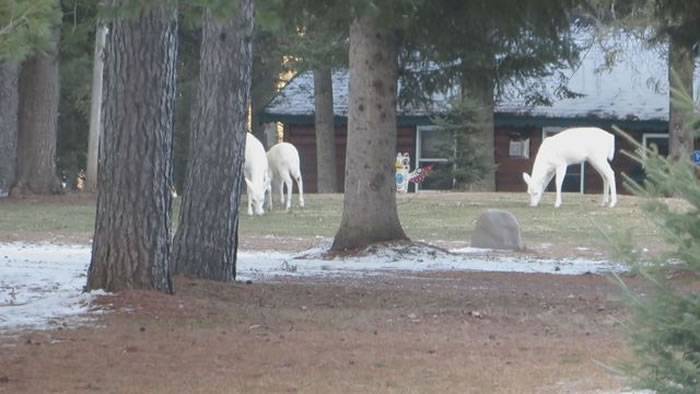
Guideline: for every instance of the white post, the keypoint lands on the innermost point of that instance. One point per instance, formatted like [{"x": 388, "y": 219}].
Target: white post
[{"x": 96, "y": 108}]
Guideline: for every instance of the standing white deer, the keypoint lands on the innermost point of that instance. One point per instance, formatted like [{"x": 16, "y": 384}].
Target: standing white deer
[
  {"x": 572, "y": 146},
  {"x": 256, "y": 172},
  {"x": 284, "y": 166}
]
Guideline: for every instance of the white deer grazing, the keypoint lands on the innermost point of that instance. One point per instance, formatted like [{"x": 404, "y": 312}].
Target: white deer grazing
[
  {"x": 284, "y": 166},
  {"x": 572, "y": 146},
  {"x": 256, "y": 172}
]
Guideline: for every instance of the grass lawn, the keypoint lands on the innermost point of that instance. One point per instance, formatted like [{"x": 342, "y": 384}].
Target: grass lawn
[{"x": 579, "y": 223}]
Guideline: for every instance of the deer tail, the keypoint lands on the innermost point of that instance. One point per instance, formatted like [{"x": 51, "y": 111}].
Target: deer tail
[{"x": 611, "y": 153}]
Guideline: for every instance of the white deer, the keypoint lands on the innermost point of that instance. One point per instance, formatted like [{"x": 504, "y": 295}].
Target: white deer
[
  {"x": 284, "y": 166},
  {"x": 572, "y": 146},
  {"x": 256, "y": 172}
]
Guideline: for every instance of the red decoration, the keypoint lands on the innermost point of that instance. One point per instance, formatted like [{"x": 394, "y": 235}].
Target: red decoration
[{"x": 418, "y": 175}]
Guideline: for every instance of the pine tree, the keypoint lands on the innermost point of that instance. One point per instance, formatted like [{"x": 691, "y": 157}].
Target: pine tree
[
  {"x": 664, "y": 332},
  {"x": 672, "y": 24},
  {"x": 206, "y": 241},
  {"x": 481, "y": 46},
  {"x": 132, "y": 242},
  {"x": 26, "y": 26},
  {"x": 370, "y": 213}
]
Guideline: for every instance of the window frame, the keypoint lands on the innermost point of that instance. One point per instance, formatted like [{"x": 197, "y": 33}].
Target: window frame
[{"x": 419, "y": 158}]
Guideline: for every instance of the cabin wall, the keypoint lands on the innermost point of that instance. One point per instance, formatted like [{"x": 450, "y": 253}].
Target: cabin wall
[
  {"x": 508, "y": 172},
  {"x": 303, "y": 137}
]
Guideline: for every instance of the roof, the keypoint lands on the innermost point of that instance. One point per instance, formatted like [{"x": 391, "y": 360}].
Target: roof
[{"x": 634, "y": 88}]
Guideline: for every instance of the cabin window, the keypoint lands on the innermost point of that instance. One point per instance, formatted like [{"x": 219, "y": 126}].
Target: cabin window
[
  {"x": 519, "y": 149},
  {"x": 433, "y": 149},
  {"x": 660, "y": 140}
]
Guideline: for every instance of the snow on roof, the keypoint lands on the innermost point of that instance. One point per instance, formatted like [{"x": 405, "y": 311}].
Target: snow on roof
[{"x": 635, "y": 87}]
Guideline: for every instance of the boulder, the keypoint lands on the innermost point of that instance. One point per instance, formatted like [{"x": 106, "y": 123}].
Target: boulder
[{"x": 497, "y": 229}]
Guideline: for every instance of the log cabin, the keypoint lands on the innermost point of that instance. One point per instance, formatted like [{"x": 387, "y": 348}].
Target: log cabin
[{"x": 631, "y": 94}]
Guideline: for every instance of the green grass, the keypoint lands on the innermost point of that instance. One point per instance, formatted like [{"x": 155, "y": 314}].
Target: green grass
[{"x": 580, "y": 222}]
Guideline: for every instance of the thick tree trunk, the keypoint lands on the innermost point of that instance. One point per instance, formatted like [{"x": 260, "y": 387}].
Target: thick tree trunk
[
  {"x": 327, "y": 181},
  {"x": 132, "y": 242},
  {"x": 95, "y": 108},
  {"x": 206, "y": 241},
  {"x": 369, "y": 209},
  {"x": 38, "y": 120},
  {"x": 680, "y": 60},
  {"x": 264, "y": 77},
  {"x": 478, "y": 86},
  {"x": 9, "y": 102}
]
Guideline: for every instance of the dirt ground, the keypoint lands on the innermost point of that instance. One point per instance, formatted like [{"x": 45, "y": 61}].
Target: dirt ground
[
  {"x": 461, "y": 332},
  {"x": 448, "y": 332}
]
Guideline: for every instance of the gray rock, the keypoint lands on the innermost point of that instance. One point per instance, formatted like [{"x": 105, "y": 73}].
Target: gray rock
[{"x": 497, "y": 229}]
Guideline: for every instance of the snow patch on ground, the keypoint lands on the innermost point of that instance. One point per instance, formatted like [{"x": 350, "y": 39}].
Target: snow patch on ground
[
  {"x": 41, "y": 284},
  {"x": 262, "y": 266}
]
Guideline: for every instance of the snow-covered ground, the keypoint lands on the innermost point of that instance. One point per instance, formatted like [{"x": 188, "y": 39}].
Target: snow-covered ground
[{"x": 41, "y": 284}]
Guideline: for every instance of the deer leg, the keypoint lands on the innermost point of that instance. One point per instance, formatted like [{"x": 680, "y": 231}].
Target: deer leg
[
  {"x": 561, "y": 173},
  {"x": 268, "y": 193},
  {"x": 281, "y": 186},
  {"x": 300, "y": 186},
  {"x": 606, "y": 182},
  {"x": 610, "y": 176},
  {"x": 289, "y": 185},
  {"x": 250, "y": 203},
  {"x": 606, "y": 192}
]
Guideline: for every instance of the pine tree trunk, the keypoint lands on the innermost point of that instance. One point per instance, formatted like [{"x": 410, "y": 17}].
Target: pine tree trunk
[
  {"x": 206, "y": 241},
  {"x": 95, "y": 108},
  {"x": 9, "y": 102},
  {"x": 132, "y": 242},
  {"x": 327, "y": 181},
  {"x": 38, "y": 120},
  {"x": 369, "y": 210},
  {"x": 478, "y": 86},
  {"x": 680, "y": 60},
  {"x": 264, "y": 77}
]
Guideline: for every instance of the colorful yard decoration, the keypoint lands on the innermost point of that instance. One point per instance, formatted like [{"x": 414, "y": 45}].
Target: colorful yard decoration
[{"x": 404, "y": 175}]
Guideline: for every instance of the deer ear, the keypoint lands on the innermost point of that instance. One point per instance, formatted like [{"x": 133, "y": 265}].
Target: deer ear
[{"x": 526, "y": 178}]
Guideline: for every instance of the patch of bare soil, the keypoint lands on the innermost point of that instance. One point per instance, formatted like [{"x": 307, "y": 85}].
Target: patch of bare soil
[{"x": 440, "y": 332}]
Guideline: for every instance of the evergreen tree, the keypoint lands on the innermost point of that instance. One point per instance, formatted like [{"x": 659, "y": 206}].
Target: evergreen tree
[
  {"x": 38, "y": 122},
  {"x": 673, "y": 23},
  {"x": 467, "y": 163},
  {"x": 206, "y": 240},
  {"x": 26, "y": 26},
  {"x": 665, "y": 330},
  {"x": 315, "y": 38},
  {"x": 481, "y": 46},
  {"x": 132, "y": 241},
  {"x": 370, "y": 213}
]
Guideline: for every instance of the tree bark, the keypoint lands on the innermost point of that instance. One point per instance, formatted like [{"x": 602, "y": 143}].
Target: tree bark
[
  {"x": 95, "y": 108},
  {"x": 680, "y": 60},
  {"x": 9, "y": 103},
  {"x": 37, "y": 127},
  {"x": 132, "y": 242},
  {"x": 370, "y": 214},
  {"x": 327, "y": 181},
  {"x": 478, "y": 86},
  {"x": 206, "y": 240},
  {"x": 266, "y": 69}
]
